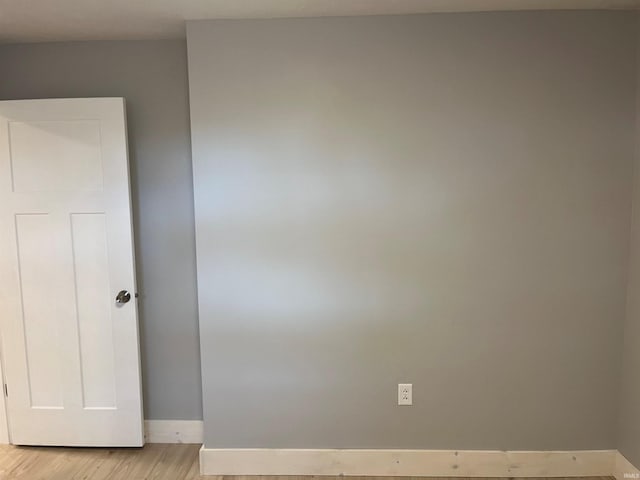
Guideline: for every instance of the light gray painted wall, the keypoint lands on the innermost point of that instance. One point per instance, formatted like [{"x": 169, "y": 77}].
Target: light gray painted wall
[
  {"x": 629, "y": 426},
  {"x": 442, "y": 200},
  {"x": 152, "y": 76}
]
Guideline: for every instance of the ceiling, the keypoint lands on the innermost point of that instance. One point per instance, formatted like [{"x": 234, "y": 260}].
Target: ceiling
[{"x": 56, "y": 20}]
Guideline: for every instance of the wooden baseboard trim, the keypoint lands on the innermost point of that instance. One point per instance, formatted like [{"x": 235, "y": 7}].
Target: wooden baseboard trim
[
  {"x": 430, "y": 463},
  {"x": 173, "y": 431},
  {"x": 624, "y": 470}
]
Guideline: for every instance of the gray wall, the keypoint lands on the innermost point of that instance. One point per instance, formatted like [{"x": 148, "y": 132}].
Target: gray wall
[
  {"x": 629, "y": 426},
  {"x": 152, "y": 76},
  {"x": 442, "y": 200}
]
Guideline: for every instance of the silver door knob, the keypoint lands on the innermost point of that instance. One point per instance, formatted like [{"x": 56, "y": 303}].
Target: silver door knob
[{"x": 122, "y": 297}]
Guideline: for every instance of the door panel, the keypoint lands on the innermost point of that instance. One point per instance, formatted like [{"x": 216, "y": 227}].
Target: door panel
[
  {"x": 39, "y": 270},
  {"x": 72, "y": 149},
  {"x": 90, "y": 258},
  {"x": 70, "y": 353}
]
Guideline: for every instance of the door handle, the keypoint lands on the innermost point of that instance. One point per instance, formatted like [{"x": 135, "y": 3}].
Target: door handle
[{"x": 122, "y": 297}]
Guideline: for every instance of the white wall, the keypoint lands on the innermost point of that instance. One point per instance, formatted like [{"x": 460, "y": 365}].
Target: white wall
[
  {"x": 152, "y": 76},
  {"x": 629, "y": 419},
  {"x": 441, "y": 199}
]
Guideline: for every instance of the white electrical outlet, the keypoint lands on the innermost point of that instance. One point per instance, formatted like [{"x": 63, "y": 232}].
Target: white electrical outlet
[{"x": 405, "y": 394}]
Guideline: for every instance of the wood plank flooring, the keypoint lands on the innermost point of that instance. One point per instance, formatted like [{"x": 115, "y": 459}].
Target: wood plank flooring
[{"x": 155, "y": 461}]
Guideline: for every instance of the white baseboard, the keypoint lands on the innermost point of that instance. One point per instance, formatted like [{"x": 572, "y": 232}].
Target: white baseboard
[
  {"x": 173, "y": 431},
  {"x": 427, "y": 463},
  {"x": 624, "y": 470}
]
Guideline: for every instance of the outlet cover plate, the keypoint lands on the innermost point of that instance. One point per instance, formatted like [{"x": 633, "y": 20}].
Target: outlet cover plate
[{"x": 405, "y": 394}]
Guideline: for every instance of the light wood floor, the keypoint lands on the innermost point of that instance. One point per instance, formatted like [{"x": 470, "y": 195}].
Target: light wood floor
[{"x": 153, "y": 462}]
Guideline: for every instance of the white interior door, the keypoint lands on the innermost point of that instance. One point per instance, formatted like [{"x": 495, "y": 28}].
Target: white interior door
[{"x": 70, "y": 351}]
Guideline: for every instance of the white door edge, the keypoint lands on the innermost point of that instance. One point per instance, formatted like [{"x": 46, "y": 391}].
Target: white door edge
[{"x": 4, "y": 427}]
